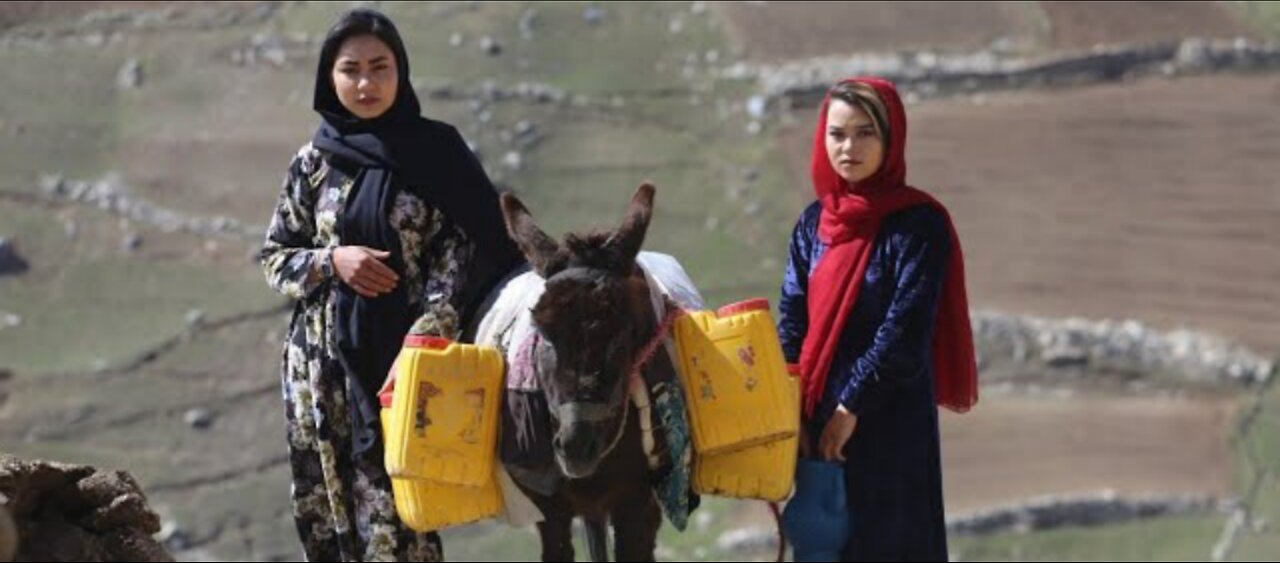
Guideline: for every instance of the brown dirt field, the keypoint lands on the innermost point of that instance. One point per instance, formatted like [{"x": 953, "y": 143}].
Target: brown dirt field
[
  {"x": 791, "y": 30},
  {"x": 777, "y": 31},
  {"x": 1010, "y": 448},
  {"x": 1084, "y": 24},
  {"x": 1154, "y": 200}
]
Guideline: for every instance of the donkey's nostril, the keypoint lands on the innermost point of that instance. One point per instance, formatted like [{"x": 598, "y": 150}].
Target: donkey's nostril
[{"x": 579, "y": 444}]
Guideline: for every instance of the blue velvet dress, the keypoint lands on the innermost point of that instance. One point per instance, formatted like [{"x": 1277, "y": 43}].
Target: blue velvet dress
[{"x": 883, "y": 373}]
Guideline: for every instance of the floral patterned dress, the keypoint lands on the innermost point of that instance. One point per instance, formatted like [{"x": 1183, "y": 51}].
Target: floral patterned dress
[{"x": 342, "y": 503}]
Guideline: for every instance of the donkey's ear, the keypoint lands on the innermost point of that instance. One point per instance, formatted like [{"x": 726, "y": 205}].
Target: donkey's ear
[
  {"x": 540, "y": 249},
  {"x": 630, "y": 236}
]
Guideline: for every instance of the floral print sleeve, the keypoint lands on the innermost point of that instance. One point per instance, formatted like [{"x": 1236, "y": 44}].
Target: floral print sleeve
[
  {"x": 440, "y": 273},
  {"x": 293, "y": 259}
]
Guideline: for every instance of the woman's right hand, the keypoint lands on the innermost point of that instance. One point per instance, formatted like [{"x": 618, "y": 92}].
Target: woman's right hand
[{"x": 361, "y": 268}]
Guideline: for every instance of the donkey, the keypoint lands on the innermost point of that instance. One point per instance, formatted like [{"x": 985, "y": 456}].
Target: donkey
[{"x": 595, "y": 314}]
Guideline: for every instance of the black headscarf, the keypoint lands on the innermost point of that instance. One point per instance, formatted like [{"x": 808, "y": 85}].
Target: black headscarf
[{"x": 398, "y": 150}]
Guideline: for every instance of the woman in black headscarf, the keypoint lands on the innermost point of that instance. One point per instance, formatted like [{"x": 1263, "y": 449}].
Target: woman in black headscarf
[{"x": 387, "y": 225}]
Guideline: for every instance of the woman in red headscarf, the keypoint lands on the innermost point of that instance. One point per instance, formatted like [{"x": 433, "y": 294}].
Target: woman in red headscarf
[{"x": 875, "y": 320}]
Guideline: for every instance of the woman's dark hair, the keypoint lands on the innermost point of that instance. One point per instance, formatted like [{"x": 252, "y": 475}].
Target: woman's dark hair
[{"x": 362, "y": 21}]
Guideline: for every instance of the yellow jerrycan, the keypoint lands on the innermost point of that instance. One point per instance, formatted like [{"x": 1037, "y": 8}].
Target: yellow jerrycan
[
  {"x": 733, "y": 372},
  {"x": 764, "y": 471},
  {"x": 425, "y": 505},
  {"x": 440, "y": 430},
  {"x": 444, "y": 412}
]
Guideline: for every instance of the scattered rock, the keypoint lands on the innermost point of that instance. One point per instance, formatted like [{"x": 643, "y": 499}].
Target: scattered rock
[
  {"x": 702, "y": 520},
  {"x": 1125, "y": 345},
  {"x": 512, "y": 160},
  {"x": 11, "y": 262},
  {"x": 173, "y": 537},
  {"x": 456, "y": 39},
  {"x": 131, "y": 242},
  {"x": 10, "y": 320},
  {"x": 1065, "y": 356},
  {"x": 747, "y": 540},
  {"x": 1104, "y": 507},
  {"x": 490, "y": 46},
  {"x": 111, "y": 194},
  {"x": 1194, "y": 55},
  {"x": 130, "y": 75},
  {"x": 523, "y": 127},
  {"x": 95, "y": 40},
  {"x": 593, "y": 14},
  {"x": 527, "y": 21},
  {"x": 195, "y": 317},
  {"x": 198, "y": 418}
]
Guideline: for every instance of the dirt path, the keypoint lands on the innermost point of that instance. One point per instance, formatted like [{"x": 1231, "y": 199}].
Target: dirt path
[{"x": 1011, "y": 448}]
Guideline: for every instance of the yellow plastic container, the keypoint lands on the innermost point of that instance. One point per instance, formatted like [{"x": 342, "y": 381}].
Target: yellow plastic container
[
  {"x": 765, "y": 471},
  {"x": 443, "y": 422},
  {"x": 732, "y": 369},
  {"x": 425, "y": 505}
]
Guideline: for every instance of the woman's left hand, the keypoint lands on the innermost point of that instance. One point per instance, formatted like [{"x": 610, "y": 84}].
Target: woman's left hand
[{"x": 836, "y": 434}]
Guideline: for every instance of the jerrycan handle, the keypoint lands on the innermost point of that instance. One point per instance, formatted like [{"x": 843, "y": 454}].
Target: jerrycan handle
[
  {"x": 388, "y": 387},
  {"x": 758, "y": 304},
  {"x": 411, "y": 341}
]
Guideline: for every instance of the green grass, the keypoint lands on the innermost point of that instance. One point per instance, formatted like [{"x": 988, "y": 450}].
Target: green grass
[
  {"x": 1262, "y": 16},
  {"x": 491, "y": 541},
  {"x": 1165, "y": 539},
  {"x": 64, "y": 105},
  {"x": 85, "y": 301},
  {"x": 1258, "y": 453},
  {"x": 496, "y": 542}
]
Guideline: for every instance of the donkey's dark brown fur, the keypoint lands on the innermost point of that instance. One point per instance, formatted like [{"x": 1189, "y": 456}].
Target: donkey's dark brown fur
[{"x": 595, "y": 312}]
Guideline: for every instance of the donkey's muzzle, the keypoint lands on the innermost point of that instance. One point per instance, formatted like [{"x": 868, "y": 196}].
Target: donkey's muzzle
[{"x": 584, "y": 433}]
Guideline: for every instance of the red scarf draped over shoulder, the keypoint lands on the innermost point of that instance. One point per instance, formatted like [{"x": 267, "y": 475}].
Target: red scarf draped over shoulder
[{"x": 850, "y": 220}]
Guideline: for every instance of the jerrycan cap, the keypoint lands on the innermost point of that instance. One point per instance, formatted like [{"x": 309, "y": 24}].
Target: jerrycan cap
[
  {"x": 429, "y": 342},
  {"x": 757, "y": 304}
]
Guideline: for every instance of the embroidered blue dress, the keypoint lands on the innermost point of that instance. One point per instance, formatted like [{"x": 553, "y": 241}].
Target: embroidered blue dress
[{"x": 883, "y": 373}]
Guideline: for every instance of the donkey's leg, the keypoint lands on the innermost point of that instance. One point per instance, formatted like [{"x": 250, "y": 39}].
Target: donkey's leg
[
  {"x": 635, "y": 527},
  {"x": 597, "y": 538},
  {"x": 557, "y": 537}
]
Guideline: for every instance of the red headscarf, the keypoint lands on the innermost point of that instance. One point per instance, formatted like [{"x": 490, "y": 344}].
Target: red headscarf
[{"x": 851, "y": 218}]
